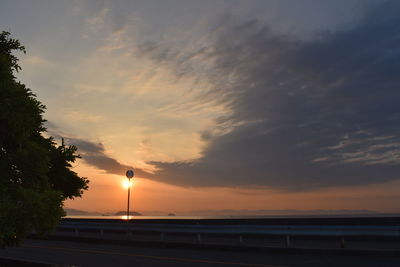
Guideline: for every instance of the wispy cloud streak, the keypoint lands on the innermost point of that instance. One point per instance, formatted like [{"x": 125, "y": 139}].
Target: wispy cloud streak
[
  {"x": 94, "y": 154},
  {"x": 304, "y": 114}
]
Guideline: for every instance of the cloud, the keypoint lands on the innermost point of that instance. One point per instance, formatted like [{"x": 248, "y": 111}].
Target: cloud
[
  {"x": 83, "y": 116},
  {"x": 93, "y": 153},
  {"x": 36, "y": 61},
  {"x": 304, "y": 114}
]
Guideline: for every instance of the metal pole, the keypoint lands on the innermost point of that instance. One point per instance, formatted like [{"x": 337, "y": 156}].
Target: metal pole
[
  {"x": 129, "y": 193},
  {"x": 129, "y": 175}
]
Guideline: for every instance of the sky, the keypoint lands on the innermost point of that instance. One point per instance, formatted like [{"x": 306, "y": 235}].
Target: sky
[{"x": 220, "y": 105}]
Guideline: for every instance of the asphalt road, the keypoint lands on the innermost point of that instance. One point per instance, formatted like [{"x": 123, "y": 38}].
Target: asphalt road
[{"x": 89, "y": 254}]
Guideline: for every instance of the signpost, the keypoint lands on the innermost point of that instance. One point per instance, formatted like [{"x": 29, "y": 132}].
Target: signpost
[{"x": 129, "y": 175}]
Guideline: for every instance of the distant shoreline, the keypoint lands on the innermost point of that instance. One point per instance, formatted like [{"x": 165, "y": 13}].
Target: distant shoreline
[{"x": 383, "y": 219}]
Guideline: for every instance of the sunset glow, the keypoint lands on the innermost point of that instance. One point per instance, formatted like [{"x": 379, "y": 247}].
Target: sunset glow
[
  {"x": 241, "y": 107},
  {"x": 127, "y": 183}
]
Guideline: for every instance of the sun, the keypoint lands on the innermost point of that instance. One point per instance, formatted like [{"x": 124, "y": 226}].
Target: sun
[{"x": 126, "y": 184}]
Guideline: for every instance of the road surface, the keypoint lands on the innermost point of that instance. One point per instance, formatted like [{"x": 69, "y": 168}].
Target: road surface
[{"x": 89, "y": 254}]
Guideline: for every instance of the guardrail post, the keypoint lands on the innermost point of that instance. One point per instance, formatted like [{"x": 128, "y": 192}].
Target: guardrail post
[
  {"x": 162, "y": 237},
  {"x": 198, "y": 238},
  {"x": 129, "y": 234},
  {"x": 288, "y": 241},
  {"x": 342, "y": 242},
  {"x": 76, "y": 232},
  {"x": 241, "y": 240}
]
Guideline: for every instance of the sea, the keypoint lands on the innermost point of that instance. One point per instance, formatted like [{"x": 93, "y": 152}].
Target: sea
[{"x": 143, "y": 217}]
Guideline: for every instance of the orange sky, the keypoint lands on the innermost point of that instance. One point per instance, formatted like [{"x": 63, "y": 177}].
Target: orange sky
[
  {"x": 107, "y": 194},
  {"x": 152, "y": 85}
]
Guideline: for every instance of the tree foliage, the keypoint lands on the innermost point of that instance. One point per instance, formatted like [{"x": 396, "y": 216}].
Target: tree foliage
[{"x": 35, "y": 172}]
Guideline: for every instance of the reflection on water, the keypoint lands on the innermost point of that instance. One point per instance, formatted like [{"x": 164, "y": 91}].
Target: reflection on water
[
  {"x": 135, "y": 217},
  {"x": 124, "y": 217}
]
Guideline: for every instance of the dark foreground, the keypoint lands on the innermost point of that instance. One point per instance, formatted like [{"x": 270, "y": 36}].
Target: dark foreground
[{"x": 89, "y": 254}]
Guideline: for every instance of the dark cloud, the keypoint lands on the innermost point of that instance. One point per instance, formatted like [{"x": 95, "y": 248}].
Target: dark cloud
[
  {"x": 93, "y": 153},
  {"x": 304, "y": 114}
]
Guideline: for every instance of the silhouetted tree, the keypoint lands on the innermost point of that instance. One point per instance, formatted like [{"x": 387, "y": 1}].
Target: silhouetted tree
[{"x": 35, "y": 173}]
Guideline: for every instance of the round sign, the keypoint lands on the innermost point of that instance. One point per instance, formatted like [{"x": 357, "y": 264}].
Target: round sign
[{"x": 129, "y": 174}]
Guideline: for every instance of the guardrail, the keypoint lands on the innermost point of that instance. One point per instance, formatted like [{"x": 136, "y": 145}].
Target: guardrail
[{"x": 238, "y": 231}]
